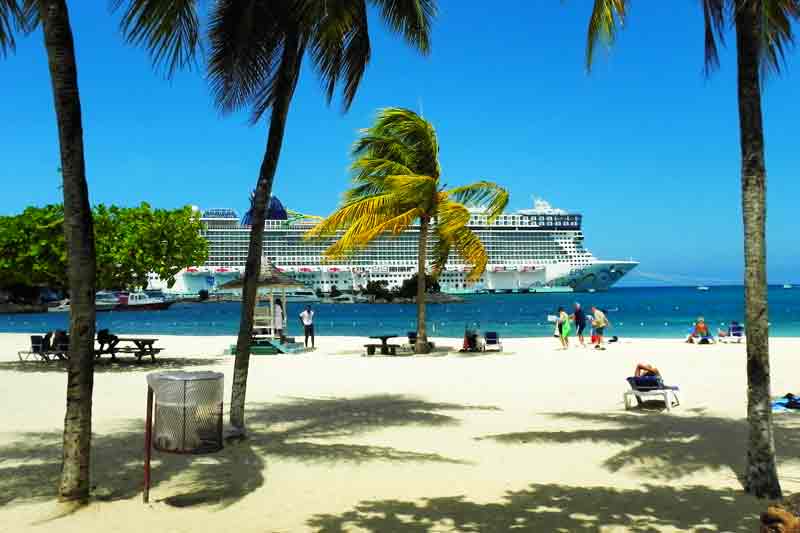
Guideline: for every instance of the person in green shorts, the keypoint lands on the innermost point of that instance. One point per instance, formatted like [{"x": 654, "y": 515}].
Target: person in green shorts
[{"x": 563, "y": 328}]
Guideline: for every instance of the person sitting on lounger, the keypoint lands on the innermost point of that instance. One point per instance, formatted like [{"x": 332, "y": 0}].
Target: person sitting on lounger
[
  {"x": 644, "y": 369},
  {"x": 700, "y": 332},
  {"x": 734, "y": 326}
]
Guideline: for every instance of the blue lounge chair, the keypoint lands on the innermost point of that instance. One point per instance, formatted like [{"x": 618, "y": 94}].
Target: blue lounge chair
[
  {"x": 735, "y": 333},
  {"x": 492, "y": 341}
]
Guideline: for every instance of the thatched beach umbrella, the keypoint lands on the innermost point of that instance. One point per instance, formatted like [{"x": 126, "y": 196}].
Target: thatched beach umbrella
[
  {"x": 269, "y": 277},
  {"x": 273, "y": 279}
]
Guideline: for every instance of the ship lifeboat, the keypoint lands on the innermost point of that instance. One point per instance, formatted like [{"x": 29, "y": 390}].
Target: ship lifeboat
[
  {"x": 499, "y": 269},
  {"x": 222, "y": 270},
  {"x": 333, "y": 269},
  {"x": 304, "y": 269},
  {"x": 192, "y": 271}
]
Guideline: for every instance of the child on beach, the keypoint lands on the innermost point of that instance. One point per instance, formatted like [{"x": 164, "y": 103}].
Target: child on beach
[{"x": 563, "y": 328}]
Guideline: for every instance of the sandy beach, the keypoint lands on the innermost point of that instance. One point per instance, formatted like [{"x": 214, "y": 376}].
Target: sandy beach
[{"x": 530, "y": 439}]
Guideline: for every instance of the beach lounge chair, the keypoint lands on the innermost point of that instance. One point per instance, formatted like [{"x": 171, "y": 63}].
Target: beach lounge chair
[
  {"x": 36, "y": 350},
  {"x": 735, "y": 334},
  {"x": 491, "y": 341},
  {"x": 645, "y": 388}
]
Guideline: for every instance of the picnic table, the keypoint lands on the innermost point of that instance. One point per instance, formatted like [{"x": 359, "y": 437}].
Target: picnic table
[
  {"x": 385, "y": 347},
  {"x": 141, "y": 347}
]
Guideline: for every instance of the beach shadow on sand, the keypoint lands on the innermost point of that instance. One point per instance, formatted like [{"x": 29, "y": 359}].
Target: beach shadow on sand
[
  {"x": 121, "y": 365},
  {"x": 540, "y": 508},
  {"x": 301, "y": 429},
  {"x": 665, "y": 447}
]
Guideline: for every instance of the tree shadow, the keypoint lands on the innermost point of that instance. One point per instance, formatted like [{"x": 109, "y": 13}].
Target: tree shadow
[
  {"x": 663, "y": 446},
  {"x": 287, "y": 429},
  {"x": 120, "y": 365},
  {"x": 302, "y": 429},
  {"x": 556, "y": 508},
  {"x": 31, "y": 467}
]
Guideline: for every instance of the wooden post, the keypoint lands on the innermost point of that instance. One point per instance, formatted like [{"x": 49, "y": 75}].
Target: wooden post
[{"x": 148, "y": 444}]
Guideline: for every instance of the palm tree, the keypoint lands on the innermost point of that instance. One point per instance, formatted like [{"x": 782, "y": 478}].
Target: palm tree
[
  {"x": 763, "y": 32},
  {"x": 256, "y": 51},
  {"x": 396, "y": 182},
  {"x": 54, "y": 18}
]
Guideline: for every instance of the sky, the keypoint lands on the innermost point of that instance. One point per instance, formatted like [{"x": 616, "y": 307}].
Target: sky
[{"x": 645, "y": 147}]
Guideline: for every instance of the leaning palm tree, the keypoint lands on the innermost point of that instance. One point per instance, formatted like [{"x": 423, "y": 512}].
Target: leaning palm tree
[
  {"x": 25, "y": 15},
  {"x": 256, "y": 52},
  {"x": 396, "y": 183},
  {"x": 763, "y": 32}
]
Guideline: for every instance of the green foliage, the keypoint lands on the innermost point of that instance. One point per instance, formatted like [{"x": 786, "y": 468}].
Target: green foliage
[
  {"x": 32, "y": 248},
  {"x": 775, "y": 27},
  {"x": 396, "y": 182},
  {"x": 378, "y": 289},
  {"x": 130, "y": 242},
  {"x": 409, "y": 287}
]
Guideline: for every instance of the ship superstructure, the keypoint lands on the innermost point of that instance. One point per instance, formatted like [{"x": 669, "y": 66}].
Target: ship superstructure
[{"x": 530, "y": 250}]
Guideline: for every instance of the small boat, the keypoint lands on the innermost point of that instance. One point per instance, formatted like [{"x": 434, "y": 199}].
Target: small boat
[
  {"x": 788, "y": 286},
  {"x": 702, "y": 288},
  {"x": 139, "y": 301},
  {"x": 62, "y": 306},
  {"x": 301, "y": 295},
  {"x": 103, "y": 301}
]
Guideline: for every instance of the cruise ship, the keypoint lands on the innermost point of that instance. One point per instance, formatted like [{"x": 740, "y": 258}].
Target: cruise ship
[{"x": 530, "y": 250}]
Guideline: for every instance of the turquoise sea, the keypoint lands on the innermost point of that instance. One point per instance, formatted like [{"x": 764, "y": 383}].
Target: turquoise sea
[{"x": 634, "y": 312}]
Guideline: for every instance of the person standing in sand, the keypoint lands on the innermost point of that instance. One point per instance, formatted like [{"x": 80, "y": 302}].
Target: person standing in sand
[
  {"x": 277, "y": 324},
  {"x": 580, "y": 322},
  {"x": 307, "y": 319},
  {"x": 563, "y": 328},
  {"x": 599, "y": 323}
]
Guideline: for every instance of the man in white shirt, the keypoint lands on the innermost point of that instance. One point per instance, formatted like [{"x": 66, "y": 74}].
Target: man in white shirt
[{"x": 307, "y": 318}]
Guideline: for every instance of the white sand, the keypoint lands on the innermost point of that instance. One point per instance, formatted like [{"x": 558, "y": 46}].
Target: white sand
[{"x": 341, "y": 442}]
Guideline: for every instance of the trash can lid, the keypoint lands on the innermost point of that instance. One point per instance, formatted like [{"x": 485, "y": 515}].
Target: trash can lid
[{"x": 180, "y": 375}]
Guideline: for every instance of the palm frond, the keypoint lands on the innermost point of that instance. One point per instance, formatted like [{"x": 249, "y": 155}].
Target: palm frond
[
  {"x": 247, "y": 40},
  {"x": 482, "y": 194},
  {"x": 470, "y": 248},
  {"x": 411, "y": 18},
  {"x": 366, "y": 229},
  {"x": 340, "y": 47},
  {"x": 15, "y": 16},
  {"x": 412, "y": 138},
  {"x": 381, "y": 205},
  {"x": 603, "y": 25},
  {"x": 714, "y": 16},
  {"x": 168, "y": 29},
  {"x": 777, "y": 17}
]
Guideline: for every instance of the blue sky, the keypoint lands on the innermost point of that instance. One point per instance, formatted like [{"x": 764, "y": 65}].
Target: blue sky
[{"x": 645, "y": 147}]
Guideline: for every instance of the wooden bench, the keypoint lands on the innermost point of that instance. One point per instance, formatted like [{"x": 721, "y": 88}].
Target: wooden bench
[{"x": 388, "y": 349}]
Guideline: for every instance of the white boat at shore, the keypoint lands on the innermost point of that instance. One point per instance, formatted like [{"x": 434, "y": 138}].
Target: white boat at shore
[
  {"x": 103, "y": 301},
  {"x": 702, "y": 288}
]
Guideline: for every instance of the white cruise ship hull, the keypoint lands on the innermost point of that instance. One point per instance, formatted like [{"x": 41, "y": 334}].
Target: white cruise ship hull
[{"x": 535, "y": 250}]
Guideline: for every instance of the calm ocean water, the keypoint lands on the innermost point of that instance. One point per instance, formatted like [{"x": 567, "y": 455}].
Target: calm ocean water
[{"x": 634, "y": 312}]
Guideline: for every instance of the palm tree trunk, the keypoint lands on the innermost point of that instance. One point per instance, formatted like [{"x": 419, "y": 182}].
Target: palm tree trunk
[
  {"x": 421, "y": 346},
  {"x": 761, "y": 476},
  {"x": 75, "y": 482},
  {"x": 287, "y": 80}
]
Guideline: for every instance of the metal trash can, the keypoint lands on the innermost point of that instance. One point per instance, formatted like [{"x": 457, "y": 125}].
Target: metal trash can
[{"x": 188, "y": 411}]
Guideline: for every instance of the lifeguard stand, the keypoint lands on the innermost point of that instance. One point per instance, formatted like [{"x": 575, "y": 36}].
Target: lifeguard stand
[{"x": 264, "y": 314}]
